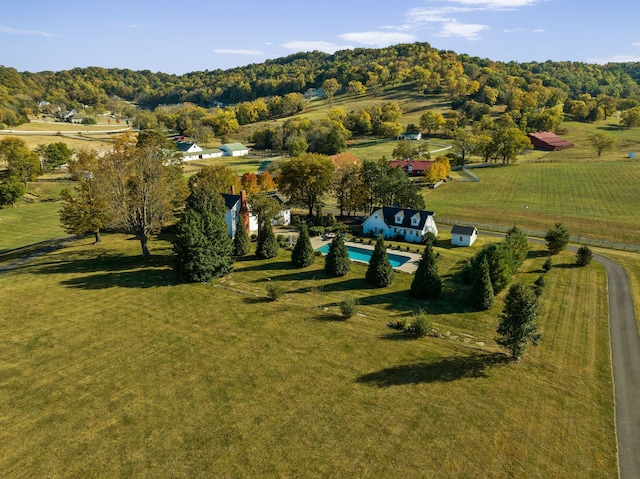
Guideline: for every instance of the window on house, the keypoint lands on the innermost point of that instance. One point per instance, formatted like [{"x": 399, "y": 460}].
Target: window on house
[{"x": 460, "y": 238}]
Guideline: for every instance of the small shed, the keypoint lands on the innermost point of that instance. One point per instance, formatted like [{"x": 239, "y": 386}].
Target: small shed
[
  {"x": 463, "y": 235},
  {"x": 234, "y": 149}
]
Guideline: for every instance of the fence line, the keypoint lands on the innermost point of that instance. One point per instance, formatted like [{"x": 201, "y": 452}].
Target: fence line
[{"x": 540, "y": 234}]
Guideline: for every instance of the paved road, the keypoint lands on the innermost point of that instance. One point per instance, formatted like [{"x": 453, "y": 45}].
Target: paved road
[{"x": 625, "y": 358}]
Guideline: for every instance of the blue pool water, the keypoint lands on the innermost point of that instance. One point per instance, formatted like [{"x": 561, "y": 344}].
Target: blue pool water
[{"x": 364, "y": 255}]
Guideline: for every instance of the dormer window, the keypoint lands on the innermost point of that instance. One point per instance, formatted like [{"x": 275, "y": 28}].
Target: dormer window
[
  {"x": 399, "y": 217},
  {"x": 415, "y": 219}
]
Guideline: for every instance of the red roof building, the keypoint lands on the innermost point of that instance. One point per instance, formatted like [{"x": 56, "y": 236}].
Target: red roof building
[
  {"x": 412, "y": 167},
  {"x": 545, "y": 140}
]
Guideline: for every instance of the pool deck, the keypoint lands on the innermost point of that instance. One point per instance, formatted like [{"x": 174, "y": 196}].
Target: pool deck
[{"x": 409, "y": 267}]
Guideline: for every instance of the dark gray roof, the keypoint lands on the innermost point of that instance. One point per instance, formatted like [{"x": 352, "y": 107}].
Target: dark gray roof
[
  {"x": 389, "y": 214},
  {"x": 463, "y": 230},
  {"x": 230, "y": 200}
]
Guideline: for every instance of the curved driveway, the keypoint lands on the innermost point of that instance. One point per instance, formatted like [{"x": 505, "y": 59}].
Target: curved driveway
[{"x": 625, "y": 358}]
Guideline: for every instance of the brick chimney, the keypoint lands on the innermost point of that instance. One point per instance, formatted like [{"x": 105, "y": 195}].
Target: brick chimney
[
  {"x": 244, "y": 210},
  {"x": 233, "y": 190}
]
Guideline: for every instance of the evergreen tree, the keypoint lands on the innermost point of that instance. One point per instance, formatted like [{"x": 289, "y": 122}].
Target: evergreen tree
[
  {"x": 518, "y": 324},
  {"x": 337, "y": 262},
  {"x": 380, "y": 272},
  {"x": 203, "y": 246},
  {"x": 303, "y": 254},
  {"x": 498, "y": 257},
  {"x": 267, "y": 246},
  {"x": 241, "y": 241},
  {"x": 426, "y": 283},
  {"x": 481, "y": 294},
  {"x": 517, "y": 241},
  {"x": 584, "y": 256},
  {"x": 557, "y": 239}
]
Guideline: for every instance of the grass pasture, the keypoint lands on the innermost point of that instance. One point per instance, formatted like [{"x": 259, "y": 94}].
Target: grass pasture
[
  {"x": 593, "y": 199},
  {"x": 138, "y": 376}
]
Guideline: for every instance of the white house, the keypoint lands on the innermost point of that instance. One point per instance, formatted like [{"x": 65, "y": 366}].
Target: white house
[
  {"x": 411, "y": 135},
  {"x": 190, "y": 151},
  {"x": 237, "y": 206},
  {"x": 407, "y": 224},
  {"x": 234, "y": 149},
  {"x": 463, "y": 235},
  {"x": 284, "y": 216}
]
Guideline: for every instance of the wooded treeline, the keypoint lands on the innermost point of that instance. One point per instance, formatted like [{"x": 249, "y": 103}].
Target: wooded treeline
[{"x": 430, "y": 70}]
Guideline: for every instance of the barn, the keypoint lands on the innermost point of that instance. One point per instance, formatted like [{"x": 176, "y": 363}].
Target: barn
[
  {"x": 412, "y": 167},
  {"x": 546, "y": 140}
]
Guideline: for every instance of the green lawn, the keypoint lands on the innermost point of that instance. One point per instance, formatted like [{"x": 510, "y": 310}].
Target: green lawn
[
  {"x": 110, "y": 368},
  {"x": 593, "y": 199}
]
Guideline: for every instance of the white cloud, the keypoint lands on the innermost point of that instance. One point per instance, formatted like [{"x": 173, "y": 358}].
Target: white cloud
[
  {"x": 379, "y": 39},
  {"x": 497, "y": 4},
  {"x": 137, "y": 25},
  {"x": 307, "y": 46},
  {"x": 238, "y": 51},
  {"x": 469, "y": 31},
  {"x": 635, "y": 44},
  {"x": 616, "y": 59},
  {"x": 538, "y": 30},
  {"x": 33, "y": 33}
]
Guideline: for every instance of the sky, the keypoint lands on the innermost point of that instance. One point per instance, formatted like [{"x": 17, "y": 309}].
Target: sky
[{"x": 194, "y": 35}]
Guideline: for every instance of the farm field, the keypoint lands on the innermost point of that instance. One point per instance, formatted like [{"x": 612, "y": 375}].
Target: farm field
[
  {"x": 594, "y": 199},
  {"x": 141, "y": 376}
]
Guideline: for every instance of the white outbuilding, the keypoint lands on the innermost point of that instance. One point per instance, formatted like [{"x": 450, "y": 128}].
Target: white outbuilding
[{"x": 463, "y": 235}]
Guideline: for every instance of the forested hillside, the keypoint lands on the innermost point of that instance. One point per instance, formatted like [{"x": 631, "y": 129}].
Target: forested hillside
[{"x": 431, "y": 71}]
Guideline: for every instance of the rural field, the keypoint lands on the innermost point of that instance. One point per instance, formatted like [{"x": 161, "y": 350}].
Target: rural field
[{"x": 112, "y": 368}]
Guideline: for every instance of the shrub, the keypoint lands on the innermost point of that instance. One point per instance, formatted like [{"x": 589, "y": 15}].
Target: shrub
[
  {"x": 241, "y": 241},
  {"x": 538, "y": 286},
  {"x": 316, "y": 230},
  {"x": 399, "y": 324},
  {"x": 380, "y": 273},
  {"x": 275, "y": 290},
  {"x": 546, "y": 267},
  {"x": 267, "y": 246},
  {"x": 420, "y": 325},
  {"x": 348, "y": 308},
  {"x": 481, "y": 294},
  {"x": 426, "y": 282},
  {"x": 429, "y": 238},
  {"x": 584, "y": 256},
  {"x": 557, "y": 239},
  {"x": 337, "y": 262}
]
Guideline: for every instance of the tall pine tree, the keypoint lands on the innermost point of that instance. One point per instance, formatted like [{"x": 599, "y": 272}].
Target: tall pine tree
[
  {"x": 203, "y": 246},
  {"x": 380, "y": 272},
  {"x": 426, "y": 282},
  {"x": 303, "y": 254},
  {"x": 337, "y": 262},
  {"x": 481, "y": 294},
  {"x": 241, "y": 241},
  {"x": 267, "y": 246},
  {"x": 518, "y": 321}
]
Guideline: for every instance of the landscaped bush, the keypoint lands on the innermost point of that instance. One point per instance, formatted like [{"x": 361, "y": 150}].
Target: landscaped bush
[
  {"x": 420, "y": 325},
  {"x": 546, "y": 267},
  {"x": 348, "y": 308},
  {"x": 538, "y": 285},
  {"x": 584, "y": 256},
  {"x": 275, "y": 290},
  {"x": 399, "y": 324},
  {"x": 316, "y": 230}
]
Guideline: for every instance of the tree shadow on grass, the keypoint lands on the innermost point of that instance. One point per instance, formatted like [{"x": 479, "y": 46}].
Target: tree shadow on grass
[
  {"x": 263, "y": 266},
  {"x": 537, "y": 254},
  {"x": 566, "y": 265},
  {"x": 107, "y": 271},
  {"x": 439, "y": 370}
]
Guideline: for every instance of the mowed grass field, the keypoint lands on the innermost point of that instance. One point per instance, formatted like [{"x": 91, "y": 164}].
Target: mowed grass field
[
  {"x": 594, "y": 199},
  {"x": 112, "y": 368}
]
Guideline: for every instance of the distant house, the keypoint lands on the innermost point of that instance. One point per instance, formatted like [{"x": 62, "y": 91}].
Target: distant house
[
  {"x": 191, "y": 151},
  {"x": 407, "y": 224},
  {"x": 411, "y": 135},
  {"x": 234, "y": 149},
  {"x": 412, "y": 167},
  {"x": 463, "y": 235},
  {"x": 546, "y": 140}
]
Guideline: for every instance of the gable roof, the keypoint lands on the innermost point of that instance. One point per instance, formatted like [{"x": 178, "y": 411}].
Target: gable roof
[
  {"x": 416, "y": 165},
  {"x": 389, "y": 214},
  {"x": 546, "y": 140},
  {"x": 230, "y": 200},
  {"x": 184, "y": 145},
  {"x": 463, "y": 230},
  {"x": 233, "y": 147}
]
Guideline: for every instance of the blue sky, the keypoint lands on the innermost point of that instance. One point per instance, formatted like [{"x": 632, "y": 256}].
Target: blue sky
[{"x": 193, "y": 35}]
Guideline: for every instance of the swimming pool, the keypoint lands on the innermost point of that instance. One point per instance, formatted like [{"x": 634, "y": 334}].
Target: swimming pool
[{"x": 364, "y": 255}]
